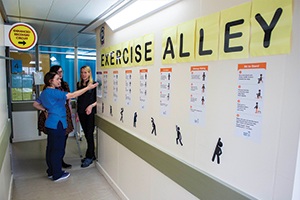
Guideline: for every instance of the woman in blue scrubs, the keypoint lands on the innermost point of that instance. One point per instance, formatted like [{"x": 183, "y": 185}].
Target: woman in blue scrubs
[{"x": 52, "y": 101}]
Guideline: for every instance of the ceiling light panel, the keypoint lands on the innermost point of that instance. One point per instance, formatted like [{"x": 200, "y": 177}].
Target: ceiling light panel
[{"x": 136, "y": 11}]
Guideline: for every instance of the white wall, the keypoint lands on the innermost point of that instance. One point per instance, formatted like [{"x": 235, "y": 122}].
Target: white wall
[
  {"x": 5, "y": 174},
  {"x": 3, "y": 94},
  {"x": 23, "y": 132},
  {"x": 6, "y": 177},
  {"x": 264, "y": 170}
]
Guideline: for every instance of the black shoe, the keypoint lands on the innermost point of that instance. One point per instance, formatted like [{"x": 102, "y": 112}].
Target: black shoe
[
  {"x": 82, "y": 160},
  {"x": 65, "y": 165},
  {"x": 87, "y": 162}
]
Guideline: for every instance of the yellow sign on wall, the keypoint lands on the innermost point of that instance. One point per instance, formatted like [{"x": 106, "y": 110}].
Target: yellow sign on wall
[{"x": 22, "y": 36}]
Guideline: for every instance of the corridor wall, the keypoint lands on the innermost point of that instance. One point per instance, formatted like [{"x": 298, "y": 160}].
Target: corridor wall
[
  {"x": 263, "y": 168},
  {"x": 5, "y": 130}
]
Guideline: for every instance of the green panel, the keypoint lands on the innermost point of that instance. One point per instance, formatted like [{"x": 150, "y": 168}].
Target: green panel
[
  {"x": 28, "y": 106},
  {"x": 199, "y": 183},
  {"x": 23, "y": 106},
  {"x": 4, "y": 140}
]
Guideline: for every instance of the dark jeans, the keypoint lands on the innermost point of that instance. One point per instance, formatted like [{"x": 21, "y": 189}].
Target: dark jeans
[
  {"x": 55, "y": 150},
  {"x": 88, "y": 125}
]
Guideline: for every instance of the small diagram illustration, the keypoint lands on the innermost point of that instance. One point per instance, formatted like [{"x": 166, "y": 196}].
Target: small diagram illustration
[
  {"x": 179, "y": 137},
  {"x": 260, "y": 79},
  {"x": 203, "y": 88},
  {"x": 203, "y": 76},
  {"x": 122, "y": 110},
  {"x": 218, "y": 151},
  {"x": 110, "y": 110},
  {"x": 256, "y": 107},
  {"x": 153, "y": 126},
  {"x": 258, "y": 94},
  {"x": 202, "y": 101},
  {"x": 134, "y": 119}
]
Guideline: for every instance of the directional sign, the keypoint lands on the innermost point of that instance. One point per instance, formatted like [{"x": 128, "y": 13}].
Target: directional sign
[{"x": 22, "y": 36}]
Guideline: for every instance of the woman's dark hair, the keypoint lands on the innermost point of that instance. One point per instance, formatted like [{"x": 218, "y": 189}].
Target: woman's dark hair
[
  {"x": 48, "y": 77},
  {"x": 54, "y": 69}
]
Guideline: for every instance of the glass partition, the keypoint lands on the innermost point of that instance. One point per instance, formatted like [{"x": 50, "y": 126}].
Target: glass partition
[{"x": 22, "y": 78}]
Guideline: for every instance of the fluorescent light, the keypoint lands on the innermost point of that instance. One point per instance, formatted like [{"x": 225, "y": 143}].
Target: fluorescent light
[
  {"x": 81, "y": 57},
  {"x": 53, "y": 59},
  {"x": 115, "y": 9},
  {"x": 136, "y": 11},
  {"x": 33, "y": 62}
]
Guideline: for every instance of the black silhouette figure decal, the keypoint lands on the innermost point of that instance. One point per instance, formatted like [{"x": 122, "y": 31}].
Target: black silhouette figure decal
[
  {"x": 179, "y": 137},
  {"x": 153, "y": 126},
  {"x": 122, "y": 110},
  {"x": 218, "y": 151},
  {"x": 134, "y": 119},
  {"x": 110, "y": 110},
  {"x": 102, "y": 107}
]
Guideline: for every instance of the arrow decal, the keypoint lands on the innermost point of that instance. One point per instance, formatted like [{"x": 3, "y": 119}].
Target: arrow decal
[{"x": 22, "y": 43}]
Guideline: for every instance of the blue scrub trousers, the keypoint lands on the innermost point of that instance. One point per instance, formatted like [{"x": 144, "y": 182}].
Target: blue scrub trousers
[{"x": 55, "y": 150}]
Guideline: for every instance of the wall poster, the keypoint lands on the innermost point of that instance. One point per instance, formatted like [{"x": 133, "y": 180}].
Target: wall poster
[
  {"x": 250, "y": 101},
  {"x": 105, "y": 73},
  {"x": 99, "y": 87},
  {"x": 115, "y": 86},
  {"x": 165, "y": 92},
  {"x": 128, "y": 92},
  {"x": 198, "y": 95},
  {"x": 143, "y": 88}
]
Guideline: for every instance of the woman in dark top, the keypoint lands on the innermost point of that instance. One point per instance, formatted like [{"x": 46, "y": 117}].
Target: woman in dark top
[{"x": 86, "y": 109}]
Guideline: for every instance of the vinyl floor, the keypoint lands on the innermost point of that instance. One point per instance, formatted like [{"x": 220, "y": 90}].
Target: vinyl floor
[{"x": 32, "y": 183}]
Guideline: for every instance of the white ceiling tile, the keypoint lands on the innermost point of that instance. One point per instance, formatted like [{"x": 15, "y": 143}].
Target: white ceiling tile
[
  {"x": 86, "y": 38},
  {"x": 68, "y": 34},
  {"x": 37, "y": 25},
  {"x": 50, "y": 32},
  {"x": 83, "y": 41},
  {"x": 42, "y": 14},
  {"x": 35, "y": 8},
  {"x": 66, "y": 10},
  {"x": 11, "y": 7},
  {"x": 13, "y": 20},
  {"x": 92, "y": 10}
]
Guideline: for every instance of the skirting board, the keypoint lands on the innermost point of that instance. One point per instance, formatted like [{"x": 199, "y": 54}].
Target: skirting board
[
  {"x": 111, "y": 182},
  {"x": 4, "y": 141},
  {"x": 11, "y": 187}
]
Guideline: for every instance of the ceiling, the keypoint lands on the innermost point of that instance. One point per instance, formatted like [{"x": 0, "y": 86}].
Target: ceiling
[{"x": 58, "y": 22}]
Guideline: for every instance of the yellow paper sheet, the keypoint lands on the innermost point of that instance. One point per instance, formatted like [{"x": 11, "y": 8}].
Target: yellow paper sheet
[
  {"x": 150, "y": 47},
  {"x": 169, "y": 45},
  {"x": 210, "y": 26},
  {"x": 279, "y": 39},
  {"x": 239, "y": 19},
  {"x": 186, "y": 41}
]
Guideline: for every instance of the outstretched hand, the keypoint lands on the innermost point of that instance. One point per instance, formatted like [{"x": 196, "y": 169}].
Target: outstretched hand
[{"x": 92, "y": 86}]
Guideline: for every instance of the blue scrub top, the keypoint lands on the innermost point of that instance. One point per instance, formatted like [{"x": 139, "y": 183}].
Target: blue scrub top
[{"x": 54, "y": 101}]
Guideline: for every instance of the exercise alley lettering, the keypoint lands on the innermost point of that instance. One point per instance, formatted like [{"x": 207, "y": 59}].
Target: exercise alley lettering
[
  {"x": 259, "y": 28},
  {"x": 256, "y": 28},
  {"x": 137, "y": 52}
]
